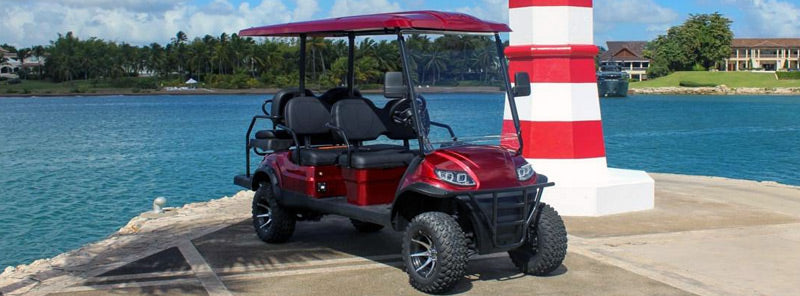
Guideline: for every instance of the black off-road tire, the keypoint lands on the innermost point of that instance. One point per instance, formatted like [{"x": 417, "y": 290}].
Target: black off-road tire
[
  {"x": 450, "y": 246},
  {"x": 546, "y": 246},
  {"x": 283, "y": 220},
  {"x": 366, "y": 227}
]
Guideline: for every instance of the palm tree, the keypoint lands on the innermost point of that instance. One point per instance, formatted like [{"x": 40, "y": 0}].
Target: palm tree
[
  {"x": 435, "y": 61},
  {"x": 317, "y": 45}
]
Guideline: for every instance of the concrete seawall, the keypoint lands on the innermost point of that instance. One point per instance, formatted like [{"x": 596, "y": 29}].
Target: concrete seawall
[
  {"x": 718, "y": 90},
  {"x": 707, "y": 236}
]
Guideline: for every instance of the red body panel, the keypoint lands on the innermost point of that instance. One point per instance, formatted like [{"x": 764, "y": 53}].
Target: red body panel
[
  {"x": 423, "y": 20},
  {"x": 491, "y": 167},
  {"x": 304, "y": 179},
  {"x": 373, "y": 186}
]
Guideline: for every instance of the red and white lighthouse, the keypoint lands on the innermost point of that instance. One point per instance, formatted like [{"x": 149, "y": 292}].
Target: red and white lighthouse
[{"x": 553, "y": 41}]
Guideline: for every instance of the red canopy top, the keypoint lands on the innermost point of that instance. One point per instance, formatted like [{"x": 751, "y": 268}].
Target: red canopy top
[{"x": 420, "y": 20}]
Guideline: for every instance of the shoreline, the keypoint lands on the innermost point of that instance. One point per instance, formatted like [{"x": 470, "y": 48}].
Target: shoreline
[
  {"x": 215, "y": 91},
  {"x": 721, "y": 90},
  {"x": 699, "y": 91}
]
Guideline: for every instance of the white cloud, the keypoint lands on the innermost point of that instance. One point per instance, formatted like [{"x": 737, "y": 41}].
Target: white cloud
[
  {"x": 490, "y": 10},
  {"x": 358, "y": 7},
  {"x": 305, "y": 10},
  {"x": 771, "y": 18},
  {"x": 35, "y": 22},
  {"x": 654, "y": 17}
]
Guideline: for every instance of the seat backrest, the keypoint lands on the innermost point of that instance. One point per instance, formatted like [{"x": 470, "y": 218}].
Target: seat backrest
[
  {"x": 307, "y": 116},
  {"x": 336, "y": 94},
  {"x": 282, "y": 98},
  {"x": 358, "y": 118}
]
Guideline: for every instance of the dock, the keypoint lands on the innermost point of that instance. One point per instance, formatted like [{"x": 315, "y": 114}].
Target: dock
[{"x": 706, "y": 236}]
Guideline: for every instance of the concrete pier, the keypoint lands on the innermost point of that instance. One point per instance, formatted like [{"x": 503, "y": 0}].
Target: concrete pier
[{"x": 705, "y": 236}]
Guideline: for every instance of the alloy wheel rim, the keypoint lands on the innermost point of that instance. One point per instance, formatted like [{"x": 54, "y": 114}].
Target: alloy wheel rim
[
  {"x": 264, "y": 218},
  {"x": 423, "y": 255}
]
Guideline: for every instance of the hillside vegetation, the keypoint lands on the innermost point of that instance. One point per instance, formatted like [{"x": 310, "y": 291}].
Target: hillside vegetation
[{"x": 730, "y": 79}]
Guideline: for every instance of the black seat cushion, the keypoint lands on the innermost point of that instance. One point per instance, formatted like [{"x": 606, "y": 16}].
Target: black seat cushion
[
  {"x": 273, "y": 134},
  {"x": 317, "y": 157},
  {"x": 381, "y": 159}
]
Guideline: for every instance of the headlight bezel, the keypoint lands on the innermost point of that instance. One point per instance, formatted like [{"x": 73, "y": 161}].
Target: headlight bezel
[
  {"x": 525, "y": 172},
  {"x": 457, "y": 178}
]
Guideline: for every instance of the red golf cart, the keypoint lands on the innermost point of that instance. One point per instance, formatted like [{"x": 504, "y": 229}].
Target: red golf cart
[{"x": 338, "y": 153}]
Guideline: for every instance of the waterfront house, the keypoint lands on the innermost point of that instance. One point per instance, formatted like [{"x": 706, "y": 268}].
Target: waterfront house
[
  {"x": 8, "y": 64},
  {"x": 769, "y": 54},
  {"x": 630, "y": 55}
]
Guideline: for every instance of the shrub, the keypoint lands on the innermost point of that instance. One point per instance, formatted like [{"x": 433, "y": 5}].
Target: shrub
[
  {"x": 698, "y": 67},
  {"x": 788, "y": 75},
  {"x": 696, "y": 84}
]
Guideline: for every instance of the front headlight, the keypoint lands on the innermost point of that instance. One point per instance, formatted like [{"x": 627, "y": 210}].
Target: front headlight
[
  {"x": 525, "y": 172},
  {"x": 455, "y": 177}
]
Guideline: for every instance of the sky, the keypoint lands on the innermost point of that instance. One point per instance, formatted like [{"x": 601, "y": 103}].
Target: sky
[{"x": 35, "y": 22}]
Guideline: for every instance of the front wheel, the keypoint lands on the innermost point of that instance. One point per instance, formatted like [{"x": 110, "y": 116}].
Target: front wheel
[
  {"x": 434, "y": 252},
  {"x": 546, "y": 246},
  {"x": 273, "y": 223}
]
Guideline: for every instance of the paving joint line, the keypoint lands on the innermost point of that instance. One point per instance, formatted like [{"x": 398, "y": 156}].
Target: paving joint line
[{"x": 204, "y": 272}]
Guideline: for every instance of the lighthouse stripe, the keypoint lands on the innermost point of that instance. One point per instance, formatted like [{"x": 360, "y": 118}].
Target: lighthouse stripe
[
  {"x": 559, "y": 140},
  {"x": 555, "y": 70},
  {"x": 558, "y": 102},
  {"x": 551, "y": 25},
  {"x": 525, "y": 3}
]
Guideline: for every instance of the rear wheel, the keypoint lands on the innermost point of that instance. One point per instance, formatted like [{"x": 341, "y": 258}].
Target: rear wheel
[
  {"x": 546, "y": 245},
  {"x": 434, "y": 252},
  {"x": 366, "y": 227},
  {"x": 272, "y": 222}
]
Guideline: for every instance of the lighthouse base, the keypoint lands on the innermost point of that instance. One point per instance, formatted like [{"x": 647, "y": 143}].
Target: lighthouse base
[{"x": 596, "y": 191}]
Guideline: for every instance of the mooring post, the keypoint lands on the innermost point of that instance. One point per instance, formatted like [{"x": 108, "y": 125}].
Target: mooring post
[{"x": 158, "y": 204}]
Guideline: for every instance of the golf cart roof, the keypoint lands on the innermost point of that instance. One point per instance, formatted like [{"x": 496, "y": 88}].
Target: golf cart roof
[{"x": 384, "y": 23}]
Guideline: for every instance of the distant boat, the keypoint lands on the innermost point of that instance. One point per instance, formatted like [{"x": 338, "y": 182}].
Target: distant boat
[{"x": 612, "y": 81}]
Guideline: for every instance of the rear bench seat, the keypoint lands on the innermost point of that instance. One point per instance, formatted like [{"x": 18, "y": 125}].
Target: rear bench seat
[
  {"x": 359, "y": 120},
  {"x": 307, "y": 118}
]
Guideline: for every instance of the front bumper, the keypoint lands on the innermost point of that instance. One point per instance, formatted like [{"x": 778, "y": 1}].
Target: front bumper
[{"x": 501, "y": 217}]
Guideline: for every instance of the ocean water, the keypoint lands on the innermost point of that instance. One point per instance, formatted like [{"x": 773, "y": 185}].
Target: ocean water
[{"x": 73, "y": 170}]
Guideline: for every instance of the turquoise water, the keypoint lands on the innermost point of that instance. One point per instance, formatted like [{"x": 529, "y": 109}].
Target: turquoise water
[{"x": 73, "y": 170}]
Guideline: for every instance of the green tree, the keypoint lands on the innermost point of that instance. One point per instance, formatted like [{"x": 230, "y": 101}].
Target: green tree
[{"x": 703, "y": 40}]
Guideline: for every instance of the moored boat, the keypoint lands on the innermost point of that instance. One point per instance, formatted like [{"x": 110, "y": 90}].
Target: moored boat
[{"x": 612, "y": 81}]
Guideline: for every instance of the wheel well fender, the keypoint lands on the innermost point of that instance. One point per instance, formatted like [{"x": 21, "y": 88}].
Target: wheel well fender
[
  {"x": 411, "y": 203},
  {"x": 266, "y": 174}
]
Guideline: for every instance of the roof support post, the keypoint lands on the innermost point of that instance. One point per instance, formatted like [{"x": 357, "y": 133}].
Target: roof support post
[
  {"x": 401, "y": 41},
  {"x": 351, "y": 69},
  {"x": 302, "y": 63}
]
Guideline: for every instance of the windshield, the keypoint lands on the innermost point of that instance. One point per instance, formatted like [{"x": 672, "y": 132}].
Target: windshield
[{"x": 459, "y": 81}]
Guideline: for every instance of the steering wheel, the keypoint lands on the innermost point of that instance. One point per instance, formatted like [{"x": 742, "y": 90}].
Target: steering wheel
[{"x": 402, "y": 113}]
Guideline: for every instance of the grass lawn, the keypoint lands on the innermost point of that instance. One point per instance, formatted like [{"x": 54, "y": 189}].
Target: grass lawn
[{"x": 731, "y": 79}]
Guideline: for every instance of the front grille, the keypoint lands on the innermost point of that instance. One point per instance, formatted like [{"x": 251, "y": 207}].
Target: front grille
[{"x": 508, "y": 212}]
